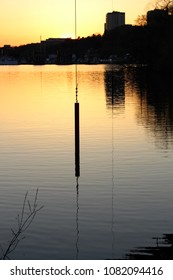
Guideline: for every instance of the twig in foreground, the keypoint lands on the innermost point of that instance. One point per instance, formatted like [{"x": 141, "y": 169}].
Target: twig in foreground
[{"x": 23, "y": 222}]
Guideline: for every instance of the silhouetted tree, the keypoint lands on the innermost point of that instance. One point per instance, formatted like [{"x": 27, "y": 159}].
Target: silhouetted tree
[
  {"x": 166, "y": 5},
  {"x": 141, "y": 20}
]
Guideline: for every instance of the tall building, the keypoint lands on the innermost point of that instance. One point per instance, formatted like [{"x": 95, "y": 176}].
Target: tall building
[
  {"x": 114, "y": 20},
  {"x": 157, "y": 17}
]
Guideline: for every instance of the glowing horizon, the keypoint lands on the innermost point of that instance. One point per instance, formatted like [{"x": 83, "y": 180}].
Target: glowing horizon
[{"x": 23, "y": 22}]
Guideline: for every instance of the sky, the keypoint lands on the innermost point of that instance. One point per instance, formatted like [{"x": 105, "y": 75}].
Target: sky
[{"x": 24, "y": 21}]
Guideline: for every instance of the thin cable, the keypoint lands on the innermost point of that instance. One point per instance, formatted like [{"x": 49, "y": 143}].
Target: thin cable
[
  {"x": 76, "y": 70},
  {"x": 75, "y": 20},
  {"x": 76, "y": 83}
]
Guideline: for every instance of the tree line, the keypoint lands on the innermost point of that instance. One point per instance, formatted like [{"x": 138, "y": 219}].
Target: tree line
[{"x": 147, "y": 42}]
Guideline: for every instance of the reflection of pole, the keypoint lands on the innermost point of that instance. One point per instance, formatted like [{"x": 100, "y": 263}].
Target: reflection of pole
[
  {"x": 113, "y": 183},
  {"x": 77, "y": 220},
  {"x": 77, "y": 141}
]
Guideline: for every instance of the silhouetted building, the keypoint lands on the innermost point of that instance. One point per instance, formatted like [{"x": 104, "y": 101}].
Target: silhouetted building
[
  {"x": 55, "y": 40},
  {"x": 157, "y": 17},
  {"x": 114, "y": 20},
  {"x": 5, "y": 49}
]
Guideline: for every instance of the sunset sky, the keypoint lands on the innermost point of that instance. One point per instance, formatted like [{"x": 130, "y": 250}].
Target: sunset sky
[{"x": 24, "y": 21}]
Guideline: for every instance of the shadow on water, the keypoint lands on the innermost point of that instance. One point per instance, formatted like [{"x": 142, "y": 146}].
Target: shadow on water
[{"x": 162, "y": 250}]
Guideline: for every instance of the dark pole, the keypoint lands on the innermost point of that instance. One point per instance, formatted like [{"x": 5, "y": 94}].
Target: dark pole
[
  {"x": 77, "y": 141},
  {"x": 77, "y": 134}
]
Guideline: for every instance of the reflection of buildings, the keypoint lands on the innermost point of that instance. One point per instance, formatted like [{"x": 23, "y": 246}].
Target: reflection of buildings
[
  {"x": 154, "y": 108},
  {"x": 115, "y": 88},
  {"x": 114, "y": 20}
]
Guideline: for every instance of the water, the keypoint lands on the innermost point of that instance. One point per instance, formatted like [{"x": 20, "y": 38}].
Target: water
[{"x": 124, "y": 195}]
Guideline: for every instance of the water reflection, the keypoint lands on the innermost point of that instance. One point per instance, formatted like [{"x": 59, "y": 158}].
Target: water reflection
[
  {"x": 154, "y": 103},
  {"x": 114, "y": 80},
  {"x": 162, "y": 250},
  {"x": 125, "y": 188},
  {"x": 77, "y": 219}
]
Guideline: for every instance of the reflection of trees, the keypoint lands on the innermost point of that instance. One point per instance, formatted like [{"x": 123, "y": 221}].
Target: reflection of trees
[
  {"x": 155, "y": 101},
  {"x": 162, "y": 250},
  {"x": 114, "y": 87}
]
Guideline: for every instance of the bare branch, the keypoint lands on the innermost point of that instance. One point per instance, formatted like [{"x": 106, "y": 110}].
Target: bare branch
[
  {"x": 29, "y": 206},
  {"x": 23, "y": 208},
  {"x": 166, "y": 5},
  {"x": 141, "y": 20},
  {"x": 23, "y": 223}
]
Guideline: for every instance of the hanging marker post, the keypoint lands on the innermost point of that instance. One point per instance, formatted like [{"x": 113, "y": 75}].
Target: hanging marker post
[
  {"x": 76, "y": 108},
  {"x": 77, "y": 141}
]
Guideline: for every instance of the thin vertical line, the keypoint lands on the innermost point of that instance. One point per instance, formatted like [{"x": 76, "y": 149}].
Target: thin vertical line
[
  {"x": 77, "y": 220},
  {"x": 113, "y": 183},
  {"x": 75, "y": 20},
  {"x": 76, "y": 51}
]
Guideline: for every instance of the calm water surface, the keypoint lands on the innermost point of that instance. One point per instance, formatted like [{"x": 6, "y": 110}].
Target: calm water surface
[{"x": 125, "y": 190}]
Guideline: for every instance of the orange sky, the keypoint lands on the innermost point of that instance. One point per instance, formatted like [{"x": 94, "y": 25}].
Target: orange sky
[{"x": 24, "y": 21}]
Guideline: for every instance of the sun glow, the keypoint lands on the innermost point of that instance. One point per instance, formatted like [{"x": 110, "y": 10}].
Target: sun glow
[
  {"x": 68, "y": 36},
  {"x": 24, "y": 21}
]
